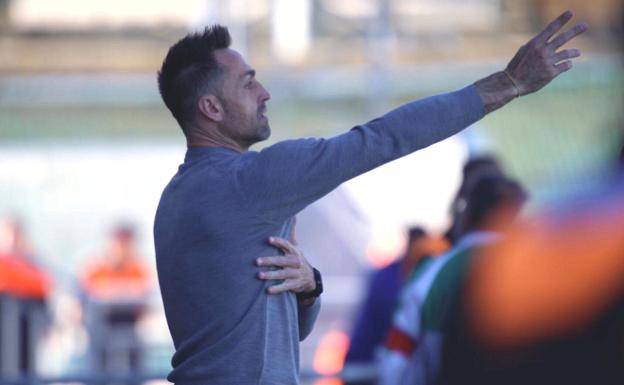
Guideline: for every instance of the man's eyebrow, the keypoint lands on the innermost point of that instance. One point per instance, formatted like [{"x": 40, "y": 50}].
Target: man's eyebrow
[{"x": 250, "y": 73}]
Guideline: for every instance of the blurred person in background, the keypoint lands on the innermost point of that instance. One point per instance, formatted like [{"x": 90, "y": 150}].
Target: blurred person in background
[
  {"x": 375, "y": 315},
  {"x": 24, "y": 290},
  {"x": 413, "y": 347},
  {"x": 13, "y": 240},
  {"x": 217, "y": 212},
  {"x": 473, "y": 169},
  {"x": 545, "y": 305},
  {"x": 115, "y": 288}
]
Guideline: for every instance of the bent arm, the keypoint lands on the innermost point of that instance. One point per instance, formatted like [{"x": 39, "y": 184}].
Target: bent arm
[{"x": 307, "y": 315}]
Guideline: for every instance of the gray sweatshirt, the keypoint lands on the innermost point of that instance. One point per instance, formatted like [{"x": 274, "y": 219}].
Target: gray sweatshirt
[{"x": 214, "y": 219}]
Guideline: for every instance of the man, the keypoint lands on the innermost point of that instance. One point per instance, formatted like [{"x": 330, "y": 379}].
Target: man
[
  {"x": 474, "y": 169},
  {"x": 375, "y": 315},
  {"x": 115, "y": 290},
  {"x": 546, "y": 304},
  {"x": 413, "y": 347},
  {"x": 217, "y": 212},
  {"x": 120, "y": 272},
  {"x": 24, "y": 292}
]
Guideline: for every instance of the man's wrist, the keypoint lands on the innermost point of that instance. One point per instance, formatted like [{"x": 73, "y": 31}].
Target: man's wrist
[
  {"x": 497, "y": 90},
  {"x": 316, "y": 291}
]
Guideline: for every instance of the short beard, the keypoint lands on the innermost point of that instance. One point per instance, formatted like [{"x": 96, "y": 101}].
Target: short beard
[{"x": 253, "y": 131}]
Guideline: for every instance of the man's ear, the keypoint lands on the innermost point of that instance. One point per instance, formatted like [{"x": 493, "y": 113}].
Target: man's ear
[{"x": 211, "y": 108}]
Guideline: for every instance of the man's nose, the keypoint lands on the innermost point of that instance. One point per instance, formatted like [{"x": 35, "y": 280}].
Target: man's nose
[{"x": 264, "y": 94}]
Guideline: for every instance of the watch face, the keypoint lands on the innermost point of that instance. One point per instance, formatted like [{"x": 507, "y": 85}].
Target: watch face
[{"x": 319, "y": 282}]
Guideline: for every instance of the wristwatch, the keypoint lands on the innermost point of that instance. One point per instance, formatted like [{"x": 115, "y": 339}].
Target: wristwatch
[{"x": 318, "y": 289}]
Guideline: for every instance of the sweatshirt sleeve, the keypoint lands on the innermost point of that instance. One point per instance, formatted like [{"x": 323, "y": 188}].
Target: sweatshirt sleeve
[
  {"x": 307, "y": 317},
  {"x": 282, "y": 179}
]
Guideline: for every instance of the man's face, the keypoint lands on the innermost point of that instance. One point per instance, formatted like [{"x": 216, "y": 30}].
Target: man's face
[
  {"x": 121, "y": 248},
  {"x": 244, "y": 100}
]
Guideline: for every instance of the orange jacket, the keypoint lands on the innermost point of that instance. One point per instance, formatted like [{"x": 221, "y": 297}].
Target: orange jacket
[
  {"x": 548, "y": 277},
  {"x": 104, "y": 281},
  {"x": 21, "y": 279}
]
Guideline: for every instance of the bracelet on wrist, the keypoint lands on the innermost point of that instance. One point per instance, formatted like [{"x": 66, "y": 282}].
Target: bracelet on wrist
[{"x": 513, "y": 82}]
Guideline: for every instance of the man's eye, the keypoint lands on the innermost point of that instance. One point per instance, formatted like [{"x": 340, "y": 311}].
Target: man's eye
[{"x": 249, "y": 84}]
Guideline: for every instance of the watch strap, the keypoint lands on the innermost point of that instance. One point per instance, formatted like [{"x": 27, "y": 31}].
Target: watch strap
[{"x": 318, "y": 289}]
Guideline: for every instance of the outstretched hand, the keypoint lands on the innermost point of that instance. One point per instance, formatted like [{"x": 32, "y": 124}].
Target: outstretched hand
[
  {"x": 535, "y": 65},
  {"x": 293, "y": 270},
  {"x": 539, "y": 61}
]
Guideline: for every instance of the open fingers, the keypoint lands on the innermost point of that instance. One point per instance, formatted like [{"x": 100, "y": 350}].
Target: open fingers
[
  {"x": 554, "y": 26},
  {"x": 283, "y": 244},
  {"x": 282, "y": 287},
  {"x": 566, "y": 54},
  {"x": 563, "y": 66},
  {"x": 274, "y": 275},
  {"x": 279, "y": 261},
  {"x": 568, "y": 35}
]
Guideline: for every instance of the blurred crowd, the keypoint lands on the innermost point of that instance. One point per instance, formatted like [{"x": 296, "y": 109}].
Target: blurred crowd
[
  {"x": 113, "y": 290},
  {"x": 502, "y": 297}
]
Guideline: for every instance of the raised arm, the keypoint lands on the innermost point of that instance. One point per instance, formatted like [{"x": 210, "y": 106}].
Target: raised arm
[
  {"x": 535, "y": 65},
  {"x": 284, "y": 178}
]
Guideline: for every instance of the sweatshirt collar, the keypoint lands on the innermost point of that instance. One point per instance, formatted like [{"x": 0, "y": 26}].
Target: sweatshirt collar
[{"x": 196, "y": 153}]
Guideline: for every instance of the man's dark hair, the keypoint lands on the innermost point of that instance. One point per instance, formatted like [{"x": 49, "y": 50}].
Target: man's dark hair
[
  {"x": 477, "y": 163},
  {"x": 474, "y": 169},
  {"x": 415, "y": 233},
  {"x": 124, "y": 230},
  {"x": 486, "y": 196},
  {"x": 189, "y": 70}
]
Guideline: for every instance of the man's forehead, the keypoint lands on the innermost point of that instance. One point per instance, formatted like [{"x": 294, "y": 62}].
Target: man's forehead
[{"x": 232, "y": 61}]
